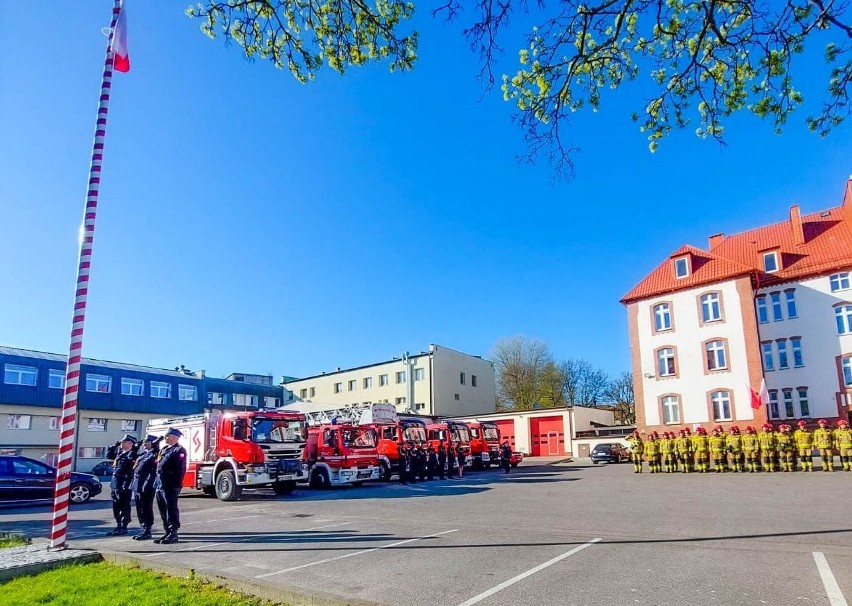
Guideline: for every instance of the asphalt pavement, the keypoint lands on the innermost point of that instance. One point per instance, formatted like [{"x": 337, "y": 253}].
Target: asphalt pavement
[{"x": 568, "y": 533}]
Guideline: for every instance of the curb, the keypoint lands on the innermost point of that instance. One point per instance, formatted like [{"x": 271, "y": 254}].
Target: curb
[
  {"x": 7, "y": 574},
  {"x": 278, "y": 594}
]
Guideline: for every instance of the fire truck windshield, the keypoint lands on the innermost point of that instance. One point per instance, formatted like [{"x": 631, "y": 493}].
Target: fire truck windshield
[
  {"x": 415, "y": 433},
  {"x": 461, "y": 434},
  {"x": 490, "y": 434},
  {"x": 276, "y": 430},
  {"x": 359, "y": 437}
]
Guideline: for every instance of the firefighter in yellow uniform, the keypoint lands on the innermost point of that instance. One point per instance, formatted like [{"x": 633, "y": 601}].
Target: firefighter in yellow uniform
[
  {"x": 843, "y": 442},
  {"x": 652, "y": 453},
  {"x": 683, "y": 449},
  {"x": 667, "y": 451},
  {"x": 751, "y": 449},
  {"x": 717, "y": 448},
  {"x": 805, "y": 446},
  {"x": 768, "y": 447},
  {"x": 786, "y": 447},
  {"x": 637, "y": 448},
  {"x": 734, "y": 446},
  {"x": 701, "y": 449},
  {"x": 824, "y": 441}
]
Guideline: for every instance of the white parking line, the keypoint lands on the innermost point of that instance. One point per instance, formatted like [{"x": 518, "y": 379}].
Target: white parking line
[
  {"x": 524, "y": 575},
  {"x": 832, "y": 589},
  {"x": 351, "y": 555}
]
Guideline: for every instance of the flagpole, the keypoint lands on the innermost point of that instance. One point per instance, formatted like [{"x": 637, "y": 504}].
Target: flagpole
[{"x": 68, "y": 430}]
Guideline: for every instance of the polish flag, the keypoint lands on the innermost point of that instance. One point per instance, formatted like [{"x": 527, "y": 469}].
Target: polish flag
[
  {"x": 759, "y": 398},
  {"x": 121, "y": 60}
]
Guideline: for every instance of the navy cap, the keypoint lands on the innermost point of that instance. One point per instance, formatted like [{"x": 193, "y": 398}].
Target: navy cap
[
  {"x": 174, "y": 432},
  {"x": 151, "y": 439},
  {"x": 128, "y": 438}
]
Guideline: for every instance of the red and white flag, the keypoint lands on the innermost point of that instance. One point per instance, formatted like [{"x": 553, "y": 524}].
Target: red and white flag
[
  {"x": 121, "y": 58},
  {"x": 759, "y": 398}
]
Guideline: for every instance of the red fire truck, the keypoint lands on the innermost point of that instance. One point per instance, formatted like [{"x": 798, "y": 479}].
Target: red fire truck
[
  {"x": 228, "y": 452},
  {"x": 391, "y": 436},
  {"x": 484, "y": 444},
  {"x": 440, "y": 434}
]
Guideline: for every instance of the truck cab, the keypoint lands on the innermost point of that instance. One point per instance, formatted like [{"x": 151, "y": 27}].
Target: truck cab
[
  {"x": 338, "y": 454},
  {"x": 391, "y": 437},
  {"x": 440, "y": 435},
  {"x": 484, "y": 444}
]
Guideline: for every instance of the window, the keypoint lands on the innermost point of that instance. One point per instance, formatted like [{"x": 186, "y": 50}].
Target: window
[
  {"x": 762, "y": 314},
  {"x": 368, "y": 382},
  {"x": 97, "y": 424},
  {"x": 790, "y": 296},
  {"x": 399, "y": 401},
  {"x": 681, "y": 267},
  {"x": 461, "y": 378},
  {"x": 662, "y": 317},
  {"x": 773, "y": 404},
  {"x": 338, "y": 387},
  {"x": 711, "y": 310},
  {"x": 783, "y": 362},
  {"x": 187, "y": 393},
  {"x": 770, "y": 262},
  {"x": 419, "y": 373},
  {"x": 128, "y": 425},
  {"x": 269, "y": 402},
  {"x": 456, "y": 397},
  {"x": 215, "y": 398},
  {"x": 91, "y": 452},
  {"x": 775, "y": 297},
  {"x": 846, "y": 365},
  {"x": 20, "y": 375},
  {"x": 671, "y": 410},
  {"x": 383, "y": 380},
  {"x": 400, "y": 377},
  {"x": 51, "y": 458},
  {"x": 721, "y": 401},
  {"x": 56, "y": 379},
  {"x": 839, "y": 281},
  {"x": 666, "y": 362},
  {"x": 303, "y": 393},
  {"x": 804, "y": 406},
  {"x": 18, "y": 421},
  {"x": 716, "y": 358},
  {"x": 788, "y": 403},
  {"x": 54, "y": 423},
  {"x": 312, "y": 392},
  {"x": 473, "y": 380},
  {"x": 245, "y": 400},
  {"x": 132, "y": 387},
  {"x": 843, "y": 317},
  {"x": 160, "y": 390},
  {"x": 351, "y": 385},
  {"x": 98, "y": 383},
  {"x": 796, "y": 346},
  {"x": 419, "y": 406},
  {"x": 768, "y": 363}
]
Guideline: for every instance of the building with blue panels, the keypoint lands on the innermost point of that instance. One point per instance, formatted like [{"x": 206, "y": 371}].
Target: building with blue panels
[{"x": 114, "y": 399}]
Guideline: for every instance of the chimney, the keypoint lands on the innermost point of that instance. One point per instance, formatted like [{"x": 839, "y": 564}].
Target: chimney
[
  {"x": 796, "y": 225},
  {"x": 847, "y": 202},
  {"x": 714, "y": 240}
]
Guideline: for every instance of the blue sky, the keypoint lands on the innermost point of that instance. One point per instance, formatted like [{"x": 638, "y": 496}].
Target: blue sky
[{"x": 249, "y": 223}]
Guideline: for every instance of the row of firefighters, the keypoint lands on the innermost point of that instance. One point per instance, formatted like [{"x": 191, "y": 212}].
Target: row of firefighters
[
  {"x": 419, "y": 460},
  {"x": 769, "y": 450}
]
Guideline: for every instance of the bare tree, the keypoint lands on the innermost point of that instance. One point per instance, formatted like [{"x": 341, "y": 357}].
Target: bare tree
[
  {"x": 584, "y": 384},
  {"x": 520, "y": 362},
  {"x": 620, "y": 393}
]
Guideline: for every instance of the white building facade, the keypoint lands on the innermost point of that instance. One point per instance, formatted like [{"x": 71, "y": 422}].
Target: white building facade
[
  {"x": 773, "y": 304},
  {"x": 438, "y": 382}
]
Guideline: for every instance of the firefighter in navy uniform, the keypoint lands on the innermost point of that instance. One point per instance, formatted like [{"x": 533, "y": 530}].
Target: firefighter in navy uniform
[
  {"x": 171, "y": 467},
  {"x": 144, "y": 474},
  {"x": 124, "y": 455}
]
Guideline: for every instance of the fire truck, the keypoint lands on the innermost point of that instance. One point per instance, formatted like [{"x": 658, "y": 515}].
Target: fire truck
[
  {"x": 342, "y": 445},
  {"x": 440, "y": 434},
  {"x": 228, "y": 452},
  {"x": 391, "y": 436},
  {"x": 484, "y": 444}
]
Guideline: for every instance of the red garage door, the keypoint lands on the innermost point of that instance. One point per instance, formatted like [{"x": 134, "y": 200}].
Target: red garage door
[
  {"x": 548, "y": 436},
  {"x": 507, "y": 431}
]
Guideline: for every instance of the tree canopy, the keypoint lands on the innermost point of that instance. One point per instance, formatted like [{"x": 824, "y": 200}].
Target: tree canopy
[{"x": 704, "y": 60}]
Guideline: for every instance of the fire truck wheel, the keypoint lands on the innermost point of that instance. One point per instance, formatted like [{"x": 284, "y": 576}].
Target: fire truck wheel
[
  {"x": 226, "y": 487},
  {"x": 385, "y": 472},
  {"x": 319, "y": 479},
  {"x": 282, "y": 488}
]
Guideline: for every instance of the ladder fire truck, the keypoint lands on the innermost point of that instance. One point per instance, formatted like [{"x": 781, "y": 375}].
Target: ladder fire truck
[
  {"x": 342, "y": 446},
  {"x": 228, "y": 452}
]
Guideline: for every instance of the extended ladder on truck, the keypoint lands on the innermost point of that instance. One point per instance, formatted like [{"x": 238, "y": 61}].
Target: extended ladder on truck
[{"x": 356, "y": 414}]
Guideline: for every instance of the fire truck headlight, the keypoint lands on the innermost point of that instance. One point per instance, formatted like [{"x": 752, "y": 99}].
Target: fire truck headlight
[{"x": 256, "y": 469}]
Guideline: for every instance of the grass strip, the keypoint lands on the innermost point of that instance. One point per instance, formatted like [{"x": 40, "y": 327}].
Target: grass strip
[
  {"x": 104, "y": 584},
  {"x": 11, "y": 542}
]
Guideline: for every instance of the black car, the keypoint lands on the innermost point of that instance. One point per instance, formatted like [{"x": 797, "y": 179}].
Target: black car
[
  {"x": 103, "y": 469},
  {"x": 611, "y": 453},
  {"x": 28, "y": 480}
]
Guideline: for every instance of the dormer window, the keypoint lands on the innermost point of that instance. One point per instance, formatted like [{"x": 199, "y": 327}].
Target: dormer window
[
  {"x": 681, "y": 267},
  {"x": 770, "y": 262}
]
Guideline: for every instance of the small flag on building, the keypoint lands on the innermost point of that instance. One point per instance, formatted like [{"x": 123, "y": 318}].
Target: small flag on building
[
  {"x": 759, "y": 398},
  {"x": 121, "y": 61}
]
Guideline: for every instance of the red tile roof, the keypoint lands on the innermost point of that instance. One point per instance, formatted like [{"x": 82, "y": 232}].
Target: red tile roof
[{"x": 826, "y": 246}]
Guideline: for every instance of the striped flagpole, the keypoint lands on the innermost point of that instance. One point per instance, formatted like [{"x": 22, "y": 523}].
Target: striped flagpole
[{"x": 68, "y": 431}]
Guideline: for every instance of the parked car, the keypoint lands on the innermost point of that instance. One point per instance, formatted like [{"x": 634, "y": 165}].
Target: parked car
[
  {"x": 103, "y": 469},
  {"x": 611, "y": 453},
  {"x": 516, "y": 458},
  {"x": 27, "y": 480}
]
